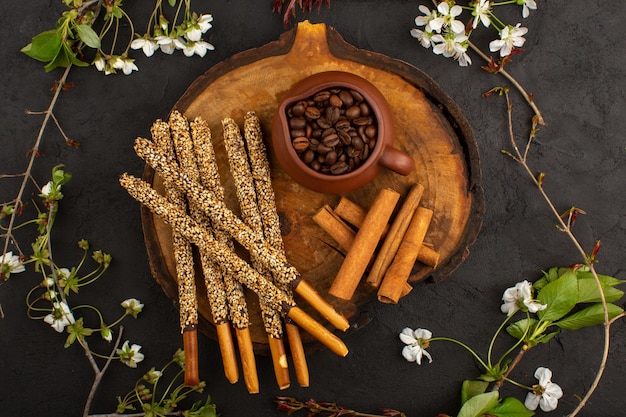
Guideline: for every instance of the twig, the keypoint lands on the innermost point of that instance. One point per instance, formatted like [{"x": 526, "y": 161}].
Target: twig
[
  {"x": 565, "y": 227},
  {"x": 513, "y": 81},
  {"x": 99, "y": 372},
  {"x": 33, "y": 155}
]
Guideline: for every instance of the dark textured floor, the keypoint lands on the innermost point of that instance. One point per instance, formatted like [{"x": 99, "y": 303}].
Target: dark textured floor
[{"x": 573, "y": 64}]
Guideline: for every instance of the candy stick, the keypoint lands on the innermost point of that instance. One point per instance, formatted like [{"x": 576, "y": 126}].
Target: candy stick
[
  {"x": 225, "y": 219},
  {"x": 247, "y": 197},
  {"x": 266, "y": 200},
  {"x": 209, "y": 177},
  {"x": 188, "y": 305},
  {"x": 227, "y": 260}
]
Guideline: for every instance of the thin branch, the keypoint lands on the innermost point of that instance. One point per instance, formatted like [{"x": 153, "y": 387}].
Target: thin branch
[
  {"x": 565, "y": 227},
  {"x": 513, "y": 81},
  {"x": 33, "y": 156},
  {"x": 99, "y": 372}
]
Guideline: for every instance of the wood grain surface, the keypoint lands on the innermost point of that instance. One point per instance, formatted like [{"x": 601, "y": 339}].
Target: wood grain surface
[{"x": 429, "y": 126}]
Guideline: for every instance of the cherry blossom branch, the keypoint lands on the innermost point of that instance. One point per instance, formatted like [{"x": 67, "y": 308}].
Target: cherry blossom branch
[
  {"x": 521, "y": 158},
  {"x": 529, "y": 99},
  {"x": 34, "y": 153},
  {"x": 99, "y": 372}
]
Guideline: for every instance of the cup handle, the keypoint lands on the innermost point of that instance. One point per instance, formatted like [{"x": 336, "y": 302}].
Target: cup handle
[{"x": 397, "y": 161}]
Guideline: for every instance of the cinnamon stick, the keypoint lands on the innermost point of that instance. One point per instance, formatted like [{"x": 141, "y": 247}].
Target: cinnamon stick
[
  {"x": 364, "y": 245},
  {"x": 335, "y": 227},
  {"x": 394, "y": 236},
  {"x": 395, "y": 279},
  {"x": 355, "y": 215}
]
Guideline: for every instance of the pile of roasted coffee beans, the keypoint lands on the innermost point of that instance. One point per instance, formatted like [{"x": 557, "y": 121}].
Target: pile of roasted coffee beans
[{"x": 334, "y": 131}]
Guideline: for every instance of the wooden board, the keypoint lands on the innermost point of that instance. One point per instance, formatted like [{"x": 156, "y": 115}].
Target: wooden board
[{"x": 429, "y": 127}]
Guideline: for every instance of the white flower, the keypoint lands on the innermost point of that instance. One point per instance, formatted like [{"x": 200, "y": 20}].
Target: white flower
[
  {"x": 100, "y": 63},
  {"x": 47, "y": 189},
  {"x": 520, "y": 296},
  {"x": 133, "y": 306},
  {"x": 427, "y": 18},
  {"x": 450, "y": 46},
  {"x": 130, "y": 356},
  {"x": 510, "y": 37},
  {"x": 195, "y": 31},
  {"x": 416, "y": 343},
  {"x": 423, "y": 36},
  {"x": 199, "y": 48},
  {"x": 526, "y": 6},
  {"x": 60, "y": 317},
  {"x": 481, "y": 13},
  {"x": 546, "y": 394},
  {"x": 147, "y": 44},
  {"x": 205, "y": 22},
  {"x": 10, "y": 264},
  {"x": 127, "y": 65},
  {"x": 106, "y": 334},
  {"x": 168, "y": 45},
  {"x": 447, "y": 18}
]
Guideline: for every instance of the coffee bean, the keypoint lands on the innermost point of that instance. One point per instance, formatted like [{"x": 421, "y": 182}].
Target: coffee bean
[
  {"x": 321, "y": 96},
  {"x": 339, "y": 168},
  {"x": 300, "y": 143},
  {"x": 371, "y": 131},
  {"x": 335, "y": 101},
  {"x": 297, "y": 122},
  {"x": 346, "y": 98},
  {"x": 312, "y": 112},
  {"x": 308, "y": 156},
  {"x": 333, "y": 131},
  {"x": 330, "y": 158},
  {"x": 353, "y": 112},
  {"x": 357, "y": 143},
  {"x": 297, "y": 132},
  {"x": 331, "y": 140},
  {"x": 332, "y": 114},
  {"x": 357, "y": 96},
  {"x": 345, "y": 137}
]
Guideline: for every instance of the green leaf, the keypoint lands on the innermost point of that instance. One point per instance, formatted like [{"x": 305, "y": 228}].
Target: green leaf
[
  {"x": 479, "y": 404},
  {"x": 590, "y": 316},
  {"x": 88, "y": 35},
  {"x": 72, "y": 56},
  {"x": 560, "y": 296},
  {"x": 511, "y": 407},
  {"x": 518, "y": 328},
  {"x": 471, "y": 389},
  {"x": 60, "y": 60},
  {"x": 172, "y": 2},
  {"x": 44, "y": 47},
  {"x": 545, "y": 338},
  {"x": 588, "y": 288}
]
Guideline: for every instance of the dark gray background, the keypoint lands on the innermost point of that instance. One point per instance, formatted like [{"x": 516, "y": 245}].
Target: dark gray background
[{"x": 574, "y": 64}]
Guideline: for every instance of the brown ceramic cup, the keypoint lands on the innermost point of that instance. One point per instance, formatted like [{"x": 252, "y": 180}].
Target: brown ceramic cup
[{"x": 383, "y": 155}]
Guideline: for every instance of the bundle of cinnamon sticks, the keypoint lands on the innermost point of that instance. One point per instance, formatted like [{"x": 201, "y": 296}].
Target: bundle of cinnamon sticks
[
  {"x": 384, "y": 252},
  {"x": 181, "y": 152}
]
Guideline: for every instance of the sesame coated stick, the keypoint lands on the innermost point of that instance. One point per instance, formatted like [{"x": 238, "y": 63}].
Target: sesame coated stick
[
  {"x": 247, "y": 197},
  {"x": 266, "y": 202},
  {"x": 210, "y": 179},
  {"x": 225, "y": 218},
  {"x": 183, "y": 255},
  {"x": 215, "y": 287},
  {"x": 226, "y": 259}
]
